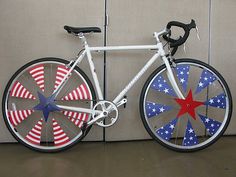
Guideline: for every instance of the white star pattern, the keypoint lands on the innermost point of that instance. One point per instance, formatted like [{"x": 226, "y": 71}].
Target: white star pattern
[
  {"x": 200, "y": 84},
  {"x": 207, "y": 78},
  {"x": 182, "y": 74},
  {"x": 162, "y": 109},
  {"x": 218, "y": 101},
  {"x": 161, "y": 85},
  {"x": 166, "y": 90},
  {"x": 166, "y": 131},
  {"x": 182, "y": 80},
  {"x": 211, "y": 125},
  {"x": 153, "y": 109},
  {"x": 190, "y": 137},
  {"x": 190, "y": 130}
]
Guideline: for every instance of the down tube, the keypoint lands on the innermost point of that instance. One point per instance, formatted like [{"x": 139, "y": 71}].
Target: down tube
[{"x": 134, "y": 80}]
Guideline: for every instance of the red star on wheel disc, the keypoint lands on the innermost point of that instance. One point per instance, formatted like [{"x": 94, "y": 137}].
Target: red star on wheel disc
[{"x": 188, "y": 105}]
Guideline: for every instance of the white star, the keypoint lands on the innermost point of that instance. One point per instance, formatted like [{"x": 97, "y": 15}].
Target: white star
[
  {"x": 172, "y": 126},
  {"x": 181, "y": 72},
  {"x": 166, "y": 132},
  {"x": 205, "y": 78},
  {"x": 182, "y": 80},
  {"x": 154, "y": 110},
  {"x": 160, "y": 85},
  {"x": 191, "y": 138},
  {"x": 207, "y": 120},
  {"x": 212, "y": 125},
  {"x": 211, "y": 101},
  {"x": 162, "y": 109},
  {"x": 166, "y": 90},
  {"x": 218, "y": 101},
  {"x": 200, "y": 84},
  {"x": 190, "y": 130}
]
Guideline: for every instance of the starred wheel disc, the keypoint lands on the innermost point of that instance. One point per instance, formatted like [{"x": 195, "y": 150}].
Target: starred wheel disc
[{"x": 191, "y": 123}]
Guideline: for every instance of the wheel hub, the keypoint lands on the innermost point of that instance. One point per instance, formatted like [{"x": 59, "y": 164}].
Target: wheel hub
[{"x": 46, "y": 105}]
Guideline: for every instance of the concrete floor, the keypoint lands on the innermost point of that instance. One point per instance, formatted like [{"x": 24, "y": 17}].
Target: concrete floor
[{"x": 120, "y": 159}]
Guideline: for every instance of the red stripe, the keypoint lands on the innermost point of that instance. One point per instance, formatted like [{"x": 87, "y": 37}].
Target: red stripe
[
  {"x": 25, "y": 93},
  {"x": 58, "y": 133},
  {"x": 59, "y": 139},
  {"x": 35, "y": 138},
  {"x": 35, "y": 72},
  {"x": 16, "y": 89},
  {"x": 38, "y": 76},
  {"x": 34, "y": 132},
  {"x": 42, "y": 79},
  {"x": 62, "y": 143},
  {"x": 37, "y": 66},
  {"x": 15, "y": 114},
  {"x": 10, "y": 118},
  {"x": 31, "y": 141},
  {"x": 86, "y": 90}
]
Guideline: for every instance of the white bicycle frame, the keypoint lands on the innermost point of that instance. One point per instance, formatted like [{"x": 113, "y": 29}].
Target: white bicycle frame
[{"x": 118, "y": 101}]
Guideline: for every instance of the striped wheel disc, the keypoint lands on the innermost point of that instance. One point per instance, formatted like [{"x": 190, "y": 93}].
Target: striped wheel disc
[{"x": 26, "y": 119}]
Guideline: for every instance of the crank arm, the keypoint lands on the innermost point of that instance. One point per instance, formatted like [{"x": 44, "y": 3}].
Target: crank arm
[
  {"x": 96, "y": 119},
  {"x": 120, "y": 103}
]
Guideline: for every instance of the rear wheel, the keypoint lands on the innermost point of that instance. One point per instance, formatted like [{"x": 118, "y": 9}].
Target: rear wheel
[
  {"x": 42, "y": 126},
  {"x": 192, "y": 123}
]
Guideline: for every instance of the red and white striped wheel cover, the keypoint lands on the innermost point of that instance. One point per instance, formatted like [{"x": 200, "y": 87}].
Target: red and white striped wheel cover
[
  {"x": 77, "y": 118},
  {"x": 61, "y": 72},
  {"x": 37, "y": 73},
  {"x": 80, "y": 93},
  {"x": 60, "y": 137},
  {"x": 19, "y": 91},
  {"x": 34, "y": 134},
  {"x": 16, "y": 117}
]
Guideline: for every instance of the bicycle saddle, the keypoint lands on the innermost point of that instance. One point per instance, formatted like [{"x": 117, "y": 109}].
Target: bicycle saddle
[{"x": 77, "y": 30}]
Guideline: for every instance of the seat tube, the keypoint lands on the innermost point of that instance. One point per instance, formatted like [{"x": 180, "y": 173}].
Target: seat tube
[{"x": 93, "y": 71}]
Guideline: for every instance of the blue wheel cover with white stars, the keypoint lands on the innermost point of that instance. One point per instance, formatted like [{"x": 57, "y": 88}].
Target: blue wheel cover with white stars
[
  {"x": 218, "y": 101},
  {"x": 190, "y": 138},
  {"x": 153, "y": 110},
  {"x": 182, "y": 72},
  {"x": 206, "y": 79},
  {"x": 211, "y": 125},
  {"x": 161, "y": 85},
  {"x": 166, "y": 131}
]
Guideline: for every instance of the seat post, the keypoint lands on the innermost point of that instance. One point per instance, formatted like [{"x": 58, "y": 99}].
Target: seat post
[{"x": 83, "y": 38}]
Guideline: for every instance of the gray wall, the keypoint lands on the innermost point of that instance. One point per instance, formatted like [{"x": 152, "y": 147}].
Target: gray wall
[{"x": 33, "y": 29}]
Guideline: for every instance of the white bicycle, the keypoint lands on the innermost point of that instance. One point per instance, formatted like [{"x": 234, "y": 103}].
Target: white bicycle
[{"x": 50, "y": 104}]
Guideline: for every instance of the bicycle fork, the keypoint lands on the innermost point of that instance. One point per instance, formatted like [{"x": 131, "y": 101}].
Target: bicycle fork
[{"x": 171, "y": 78}]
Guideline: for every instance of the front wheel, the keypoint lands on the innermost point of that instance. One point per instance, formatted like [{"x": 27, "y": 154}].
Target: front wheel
[
  {"x": 192, "y": 123},
  {"x": 31, "y": 113}
]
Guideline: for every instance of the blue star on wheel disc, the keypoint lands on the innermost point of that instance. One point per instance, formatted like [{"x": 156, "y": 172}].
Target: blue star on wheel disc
[{"x": 46, "y": 105}]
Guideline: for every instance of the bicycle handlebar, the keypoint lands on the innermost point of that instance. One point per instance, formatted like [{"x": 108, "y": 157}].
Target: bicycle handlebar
[{"x": 174, "y": 43}]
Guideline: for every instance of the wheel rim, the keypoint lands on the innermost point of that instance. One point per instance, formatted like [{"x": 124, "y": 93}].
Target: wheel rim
[
  {"x": 179, "y": 130},
  {"x": 62, "y": 128}
]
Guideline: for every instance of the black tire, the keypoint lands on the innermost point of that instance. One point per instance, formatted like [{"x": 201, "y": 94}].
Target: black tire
[
  {"x": 153, "y": 132},
  {"x": 6, "y": 97}
]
